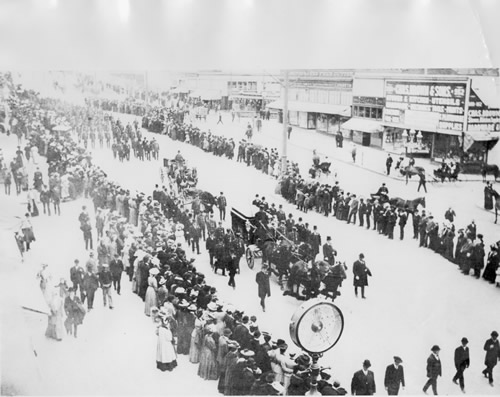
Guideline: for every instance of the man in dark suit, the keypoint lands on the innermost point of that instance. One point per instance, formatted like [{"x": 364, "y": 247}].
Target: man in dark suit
[
  {"x": 363, "y": 381},
  {"x": 433, "y": 370},
  {"x": 222, "y": 204},
  {"x": 315, "y": 240},
  {"x": 492, "y": 348},
  {"x": 462, "y": 361},
  {"x": 394, "y": 377},
  {"x": 329, "y": 252},
  {"x": 241, "y": 333},
  {"x": 116, "y": 269}
]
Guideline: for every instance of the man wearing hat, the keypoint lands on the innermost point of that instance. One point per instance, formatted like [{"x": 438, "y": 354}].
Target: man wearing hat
[
  {"x": 329, "y": 252},
  {"x": 394, "y": 377},
  {"x": 492, "y": 348},
  {"x": 116, "y": 269},
  {"x": 105, "y": 280},
  {"x": 433, "y": 370},
  {"x": 462, "y": 361},
  {"x": 264, "y": 288},
  {"x": 222, "y": 204},
  {"x": 363, "y": 381}
]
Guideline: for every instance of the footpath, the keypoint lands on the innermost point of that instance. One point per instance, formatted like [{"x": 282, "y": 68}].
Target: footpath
[{"x": 368, "y": 158}]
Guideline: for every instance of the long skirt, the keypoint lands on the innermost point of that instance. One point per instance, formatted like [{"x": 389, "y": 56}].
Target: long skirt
[
  {"x": 55, "y": 327},
  {"x": 166, "y": 366},
  {"x": 150, "y": 301},
  {"x": 194, "y": 350}
]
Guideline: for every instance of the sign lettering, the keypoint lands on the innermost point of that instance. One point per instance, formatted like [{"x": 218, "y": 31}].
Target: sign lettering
[{"x": 433, "y": 105}]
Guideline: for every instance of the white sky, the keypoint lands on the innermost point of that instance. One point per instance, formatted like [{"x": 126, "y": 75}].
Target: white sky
[{"x": 246, "y": 34}]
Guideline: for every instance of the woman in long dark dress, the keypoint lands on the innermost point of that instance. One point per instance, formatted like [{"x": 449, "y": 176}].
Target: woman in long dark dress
[
  {"x": 186, "y": 320},
  {"x": 488, "y": 197},
  {"x": 492, "y": 264},
  {"x": 208, "y": 358}
]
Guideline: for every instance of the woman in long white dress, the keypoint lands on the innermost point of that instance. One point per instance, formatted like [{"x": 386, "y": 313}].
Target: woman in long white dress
[
  {"x": 64, "y": 187},
  {"x": 179, "y": 235},
  {"x": 166, "y": 358},
  {"x": 35, "y": 157},
  {"x": 55, "y": 326},
  {"x": 151, "y": 299}
]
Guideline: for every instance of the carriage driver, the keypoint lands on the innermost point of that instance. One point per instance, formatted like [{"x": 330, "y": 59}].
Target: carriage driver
[{"x": 383, "y": 191}]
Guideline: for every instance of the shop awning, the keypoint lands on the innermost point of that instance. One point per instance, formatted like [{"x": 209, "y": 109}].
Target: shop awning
[
  {"x": 206, "y": 95},
  {"x": 246, "y": 96},
  {"x": 311, "y": 107},
  {"x": 364, "y": 125},
  {"x": 483, "y": 136},
  {"x": 486, "y": 90},
  {"x": 405, "y": 126},
  {"x": 179, "y": 90}
]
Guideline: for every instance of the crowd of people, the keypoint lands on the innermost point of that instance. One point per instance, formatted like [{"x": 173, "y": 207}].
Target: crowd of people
[
  {"x": 150, "y": 245},
  {"x": 148, "y": 238},
  {"x": 464, "y": 246}
]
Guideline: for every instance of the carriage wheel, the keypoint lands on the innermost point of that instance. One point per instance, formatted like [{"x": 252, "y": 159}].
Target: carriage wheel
[{"x": 250, "y": 258}]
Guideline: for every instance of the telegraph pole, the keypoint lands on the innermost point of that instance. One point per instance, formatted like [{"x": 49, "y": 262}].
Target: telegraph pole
[{"x": 285, "y": 126}]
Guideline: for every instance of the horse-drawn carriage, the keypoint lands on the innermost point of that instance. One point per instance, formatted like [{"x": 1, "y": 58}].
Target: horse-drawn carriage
[
  {"x": 400, "y": 203},
  {"x": 292, "y": 263},
  {"x": 205, "y": 200},
  {"x": 178, "y": 171}
]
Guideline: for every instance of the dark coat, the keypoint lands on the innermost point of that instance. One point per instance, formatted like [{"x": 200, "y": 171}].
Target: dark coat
[
  {"x": 241, "y": 334},
  {"x": 363, "y": 385},
  {"x": 394, "y": 376},
  {"x": 462, "y": 357},
  {"x": 262, "y": 279},
  {"x": 361, "y": 273},
  {"x": 116, "y": 268},
  {"x": 329, "y": 253},
  {"x": 433, "y": 367},
  {"x": 492, "y": 349},
  {"x": 90, "y": 282}
]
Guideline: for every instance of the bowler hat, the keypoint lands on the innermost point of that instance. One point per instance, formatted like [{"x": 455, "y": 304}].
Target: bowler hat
[
  {"x": 494, "y": 334},
  {"x": 247, "y": 353},
  {"x": 435, "y": 348},
  {"x": 465, "y": 340},
  {"x": 367, "y": 364}
]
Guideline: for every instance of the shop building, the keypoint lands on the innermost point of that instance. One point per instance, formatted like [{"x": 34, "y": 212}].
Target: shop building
[
  {"x": 318, "y": 100},
  {"x": 435, "y": 116},
  {"x": 244, "y": 92}
]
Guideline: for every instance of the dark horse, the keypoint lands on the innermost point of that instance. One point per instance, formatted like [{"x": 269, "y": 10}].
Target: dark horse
[
  {"x": 408, "y": 205},
  {"x": 410, "y": 171},
  {"x": 206, "y": 198},
  {"x": 279, "y": 255},
  {"x": 324, "y": 167},
  {"x": 496, "y": 195},
  {"x": 490, "y": 169}
]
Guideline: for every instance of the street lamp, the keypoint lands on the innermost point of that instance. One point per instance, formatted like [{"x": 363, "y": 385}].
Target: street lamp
[
  {"x": 412, "y": 135},
  {"x": 419, "y": 138},
  {"x": 405, "y": 136}
]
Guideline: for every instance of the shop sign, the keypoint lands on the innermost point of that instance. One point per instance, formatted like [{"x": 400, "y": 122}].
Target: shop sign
[
  {"x": 319, "y": 73},
  {"x": 480, "y": 117},
  {"x": 366, "y": 100},
  {"x": 435, "y": 105},
  {"x": 331, "y": 85}
]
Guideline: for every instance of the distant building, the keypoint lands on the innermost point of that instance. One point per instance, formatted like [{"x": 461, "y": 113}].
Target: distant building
[{"x": 436, "y": 113}]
